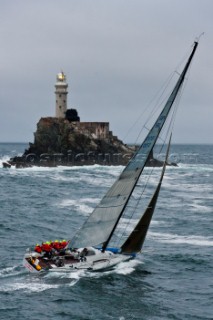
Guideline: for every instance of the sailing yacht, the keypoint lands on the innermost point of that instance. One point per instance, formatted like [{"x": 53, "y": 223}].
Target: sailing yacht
[{"x": 89, "y": 249}]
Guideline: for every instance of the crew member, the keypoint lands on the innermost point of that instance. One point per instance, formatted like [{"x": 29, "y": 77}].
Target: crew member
[
  {"x": 46, "y": 247},
  {"x": 56, "y": 245},
  {"x": 38, "y": 248},
  {"x": 63, "y": 244}
]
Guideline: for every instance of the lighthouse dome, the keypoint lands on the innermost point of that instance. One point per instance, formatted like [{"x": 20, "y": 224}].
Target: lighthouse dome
[{"x": 61, "y": 77}]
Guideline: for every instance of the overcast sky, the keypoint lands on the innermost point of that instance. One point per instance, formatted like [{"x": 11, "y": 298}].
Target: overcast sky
[{"x": 116, "y": 55}]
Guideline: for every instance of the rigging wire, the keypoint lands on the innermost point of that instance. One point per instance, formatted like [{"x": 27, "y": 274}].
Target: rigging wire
[
  {"x": 146, "y": 183},
  {"x": 156, "y": 98},
  {"x": 162, "y": 88}
]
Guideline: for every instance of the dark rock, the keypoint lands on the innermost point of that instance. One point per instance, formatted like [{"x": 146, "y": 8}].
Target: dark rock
[{"x": 58, "y": 141}]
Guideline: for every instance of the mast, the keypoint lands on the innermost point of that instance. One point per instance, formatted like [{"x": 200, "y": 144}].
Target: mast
[{"x": 152, "y": 137}]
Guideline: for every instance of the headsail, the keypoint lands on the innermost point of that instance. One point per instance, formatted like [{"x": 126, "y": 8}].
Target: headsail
[
  {"x": 99, "y": 227},
  {"x": 135, "y": 241}
]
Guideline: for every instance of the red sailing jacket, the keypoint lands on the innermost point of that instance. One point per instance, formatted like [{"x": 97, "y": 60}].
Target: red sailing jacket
[
  {"x": 38, "y": 249},
  {"x": 56, "y": 245},
  {"x": 46, "y": 247}
]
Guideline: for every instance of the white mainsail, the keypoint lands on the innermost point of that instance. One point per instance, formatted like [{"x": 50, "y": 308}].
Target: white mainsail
[{"x": 99, "y": 227}]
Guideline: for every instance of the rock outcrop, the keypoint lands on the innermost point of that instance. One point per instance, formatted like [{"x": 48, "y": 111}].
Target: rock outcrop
[
  {"x": 58, "y": 141},
  {"x": 55, "y": 135}
]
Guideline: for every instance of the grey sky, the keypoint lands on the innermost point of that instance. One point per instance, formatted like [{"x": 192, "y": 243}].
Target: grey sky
[{"x": 116, "y": 55}]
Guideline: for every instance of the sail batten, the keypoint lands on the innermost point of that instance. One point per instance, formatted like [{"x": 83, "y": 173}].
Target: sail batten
[{"x": 101, "y": 224}]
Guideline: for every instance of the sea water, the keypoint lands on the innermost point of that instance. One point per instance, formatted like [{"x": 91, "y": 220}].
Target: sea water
[{"x": 171, "y": 279}]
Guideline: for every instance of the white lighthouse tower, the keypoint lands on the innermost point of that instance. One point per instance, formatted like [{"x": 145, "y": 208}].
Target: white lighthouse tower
[{"x": 61, "y": 95}]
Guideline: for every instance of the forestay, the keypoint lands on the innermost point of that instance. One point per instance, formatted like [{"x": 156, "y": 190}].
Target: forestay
[{"x": 99, "y": 227}]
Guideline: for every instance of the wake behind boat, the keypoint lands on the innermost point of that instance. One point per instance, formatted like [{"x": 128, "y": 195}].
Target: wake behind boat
[{"x": 90, "y": 249}]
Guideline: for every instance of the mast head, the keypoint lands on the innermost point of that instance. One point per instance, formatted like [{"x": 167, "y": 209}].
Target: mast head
[{"x": 197, "y": 39}]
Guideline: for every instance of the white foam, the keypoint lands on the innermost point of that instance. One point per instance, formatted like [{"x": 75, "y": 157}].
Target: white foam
[
  {"x": 29, "y": 287},
  {"x": 127, "y": 267},
  {"x": 124, "y": 268},
  {"x": 74, "y": 276},
  {"x": 79, "y": 205},
  {"x": 8, "y": 271},
  {"x": 71, "y": 202},
  {"x": 196, "y": 207},
  {"x": 4, "y": 159},
  {"x": 91, "y": 179},
  {"x": 191, "y": 168},
  {"x": 178, "y": 239},
  {"x": 38, "y": 285}
]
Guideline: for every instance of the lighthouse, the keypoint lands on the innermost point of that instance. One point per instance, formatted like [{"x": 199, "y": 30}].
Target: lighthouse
[{"x": 61, "y": 95}]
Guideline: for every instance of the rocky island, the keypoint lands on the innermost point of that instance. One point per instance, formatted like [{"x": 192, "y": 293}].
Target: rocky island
[
  {"x": 65, "y": 140},
  {"x": 60, "y": 141}
]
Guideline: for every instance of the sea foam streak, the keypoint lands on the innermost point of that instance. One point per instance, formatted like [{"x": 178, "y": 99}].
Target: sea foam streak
[
  {"x": 177, "y": 239},
  {"x": 9, "y": 271},
  {"x": 79, "y": 205},
  {"x": 197, "y": 207},
  {"x": 27, "y": 287}
]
